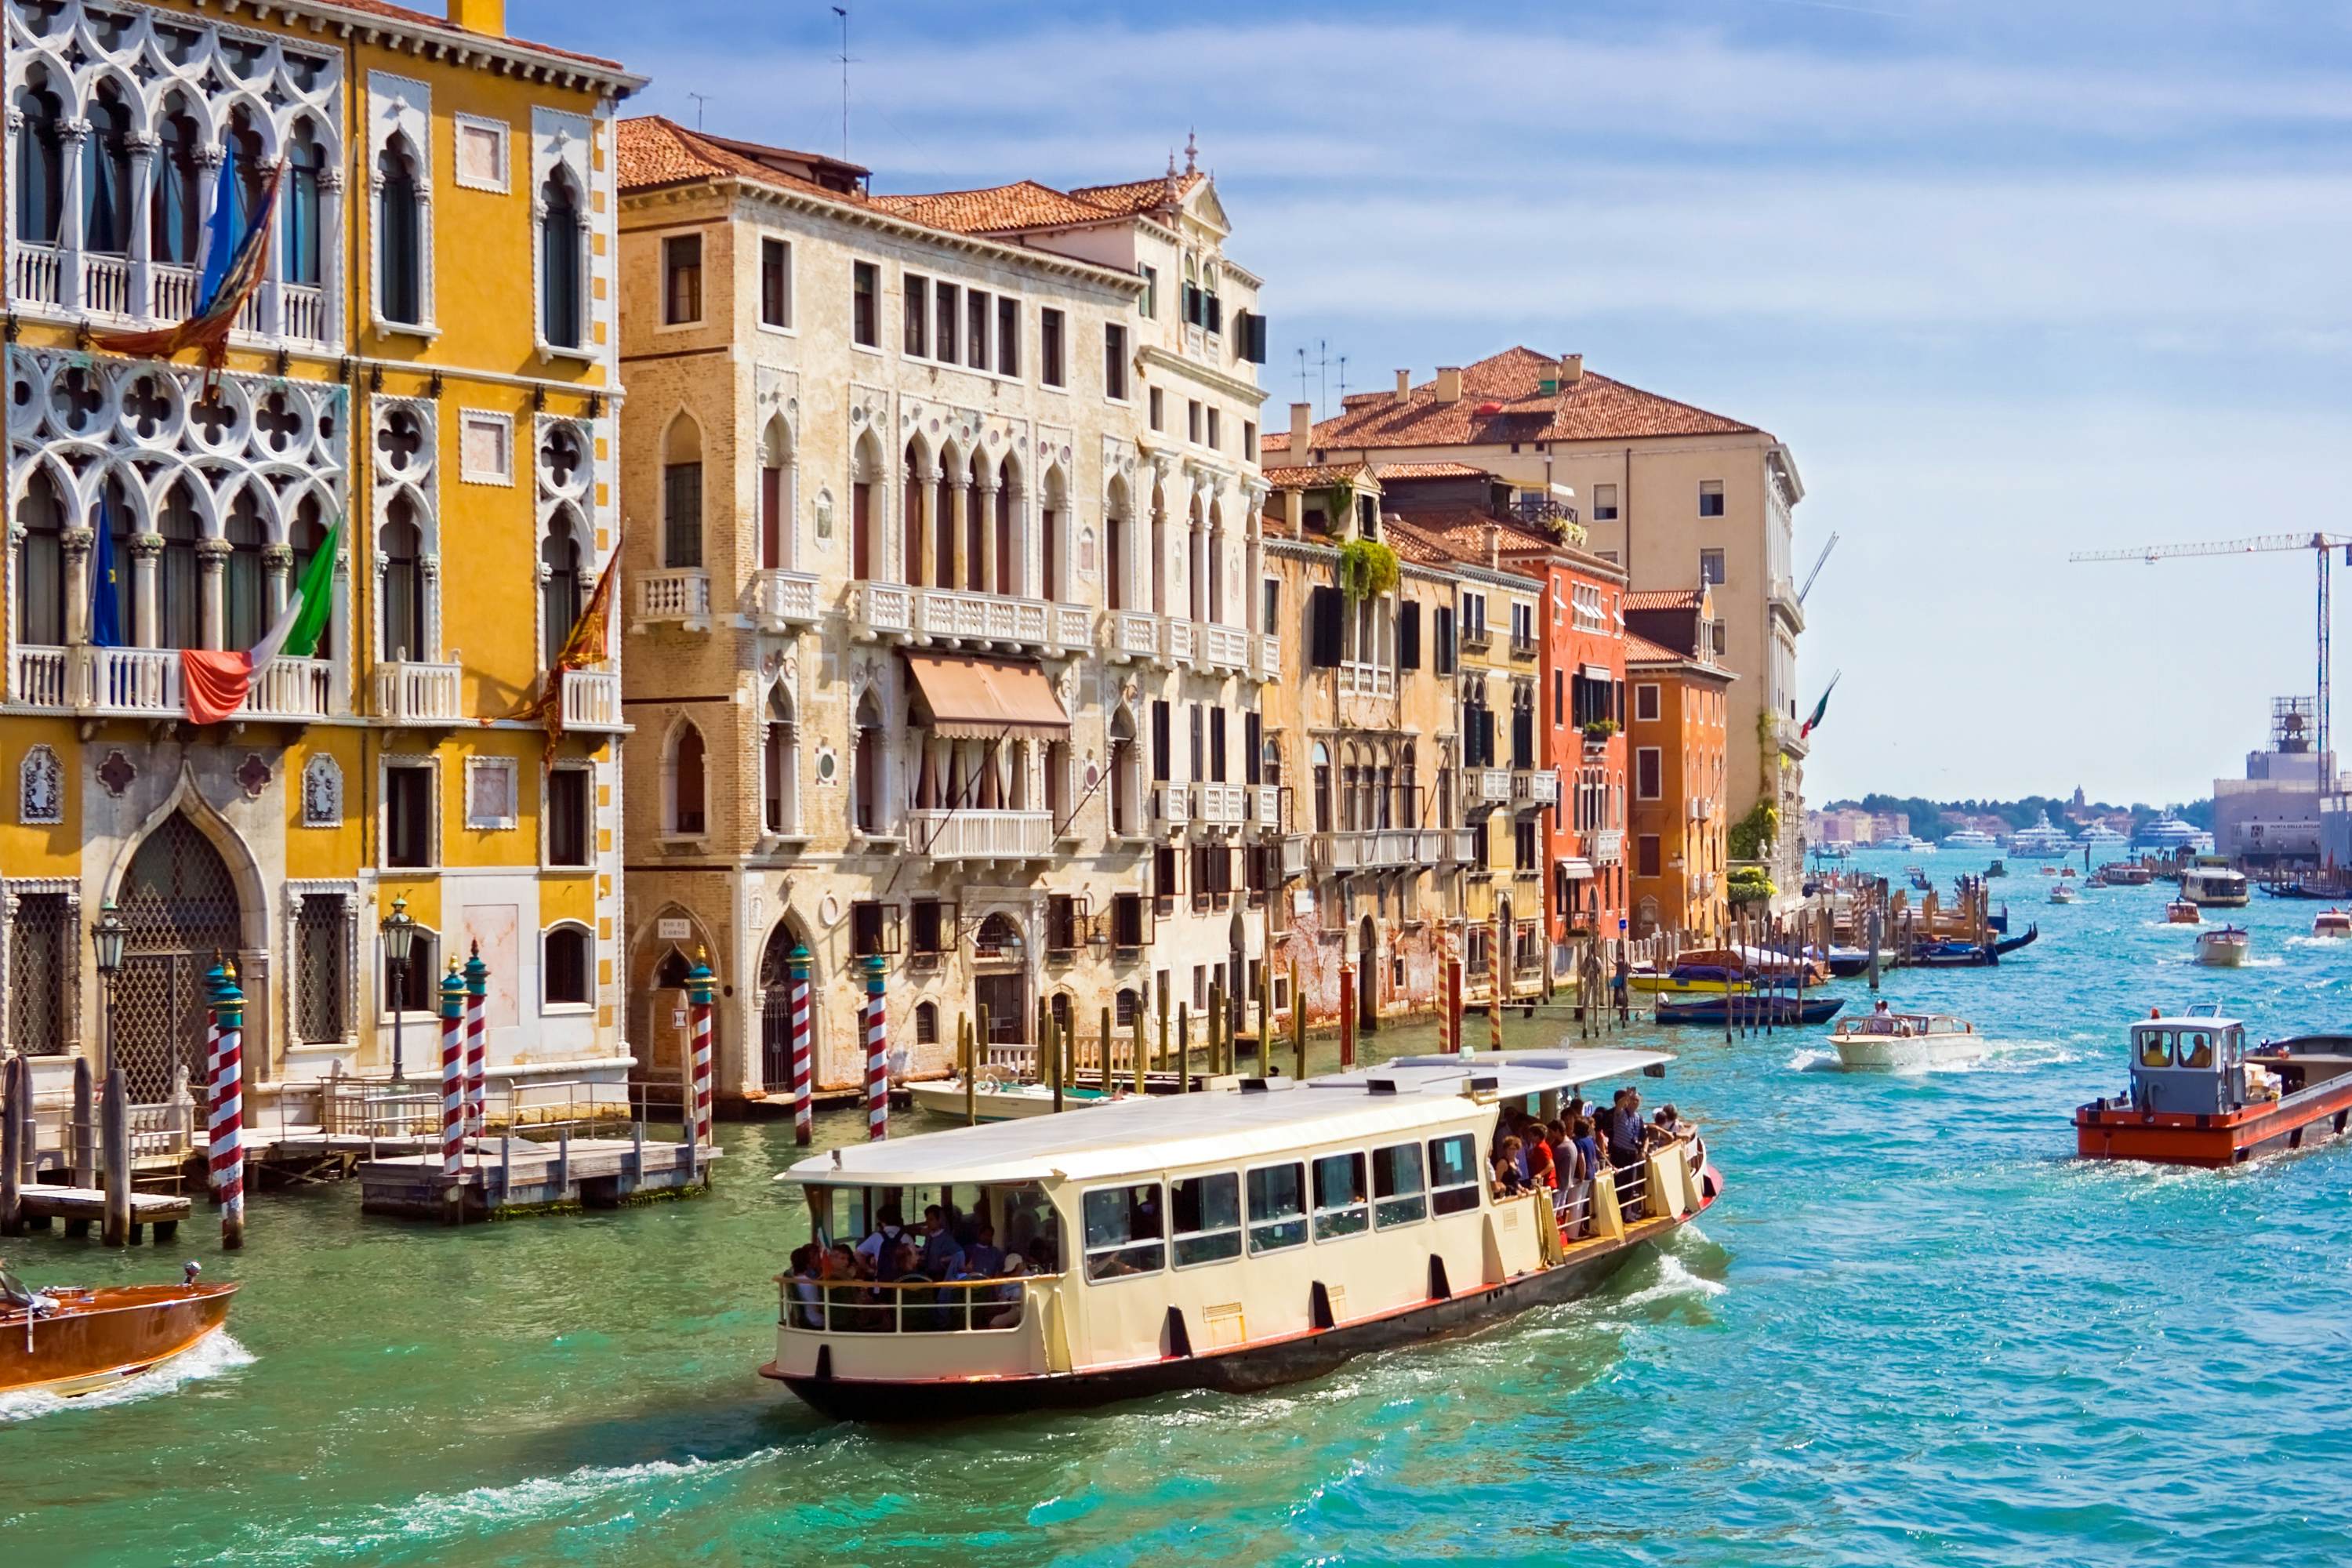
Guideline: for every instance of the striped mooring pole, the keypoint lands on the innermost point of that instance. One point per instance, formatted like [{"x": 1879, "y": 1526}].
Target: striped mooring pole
[
  {"x": 877, "y": 1061},
  {"x": 700, "y": 985},
  {"x": 453, "y": 1078},
  {"x": 803, "y": 1110},
  {"x": 226, "y": 1120},
  {"x": 478, "y": 1059}
]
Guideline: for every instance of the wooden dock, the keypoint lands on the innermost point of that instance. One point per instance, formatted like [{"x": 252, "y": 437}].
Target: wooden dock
[
  {"x": 510, "y": 1176},
  {"x": 81, "y": 1208}
]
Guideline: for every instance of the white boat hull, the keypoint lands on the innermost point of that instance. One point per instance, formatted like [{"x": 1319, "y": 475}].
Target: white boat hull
[
  {"x": 996, "y": 1102},
  {"x": 1889, "y": 1053},
  {"x": 2223, "y": 955}
]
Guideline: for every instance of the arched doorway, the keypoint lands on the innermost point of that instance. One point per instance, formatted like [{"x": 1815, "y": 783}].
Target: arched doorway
[
  {"x": 180, "y": 902},
  {"x": 776, "y": 1009},
  {"x": 1368, "y": 975},
  {"x": 1000, "y": 982}
]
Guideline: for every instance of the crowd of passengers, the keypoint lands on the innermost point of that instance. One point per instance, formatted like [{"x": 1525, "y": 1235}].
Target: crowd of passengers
[
  {"x": 1562, "y": 1155},
  {"x": 953, "y": 1247}
]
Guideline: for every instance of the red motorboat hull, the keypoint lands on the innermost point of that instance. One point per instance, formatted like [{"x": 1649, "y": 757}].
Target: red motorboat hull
[
  {"x": 2106, "y": 1131},
  {"x": 103, "y": 1336}
]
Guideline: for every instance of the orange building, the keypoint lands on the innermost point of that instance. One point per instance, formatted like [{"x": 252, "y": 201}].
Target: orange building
[{"x": 1678, "y": 739}]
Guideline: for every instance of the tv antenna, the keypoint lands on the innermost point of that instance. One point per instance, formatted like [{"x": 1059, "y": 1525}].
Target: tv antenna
[
  {"x": 843, "y": 12},
  {"x": 700, "y": 100}
]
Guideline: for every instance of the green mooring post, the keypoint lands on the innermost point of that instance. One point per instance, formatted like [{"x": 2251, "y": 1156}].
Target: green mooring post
[
  {"x": 1184, "y": 1047},
  {"x": 1297, "y": 1026},
  {"x": 967, "y": 1059},
  {"x": 1105, "y": 1049}
]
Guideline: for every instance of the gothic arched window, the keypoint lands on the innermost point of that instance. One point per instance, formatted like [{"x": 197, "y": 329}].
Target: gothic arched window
[
  {"x": 400, "y": 236},
  {"x": 560, "y": 262},
  {"x": 107, "y": 212},
  {"x": 40, "y": 165},
  {"x": 404, "y": 585},
  {"x": 559, "y": 594}
]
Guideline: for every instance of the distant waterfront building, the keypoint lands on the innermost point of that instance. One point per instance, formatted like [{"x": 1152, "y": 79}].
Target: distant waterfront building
[{"x": 2273, "y": 812}]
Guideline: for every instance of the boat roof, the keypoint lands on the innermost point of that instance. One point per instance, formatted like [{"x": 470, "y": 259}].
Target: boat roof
[
  {"x": 1158, "y": 1132},
  {"x": 2189, "y": 1021}
]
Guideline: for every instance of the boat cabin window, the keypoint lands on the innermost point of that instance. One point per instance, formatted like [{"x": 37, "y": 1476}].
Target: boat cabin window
[
  {"x": 2156, "y": 1048},
  {"x": 1340, "y": 1208},
  {"x": 1453, "y": 1174},
  {"x": 992, "y": 1225},
  {"x": 1125, "y": 1231},
  {"x": 1397, "y": 1196},
  {"x": 1277, "y": 1207},
  {"x": 2196, "y": 1048},
  {"x": 1206, "y": 1212}
]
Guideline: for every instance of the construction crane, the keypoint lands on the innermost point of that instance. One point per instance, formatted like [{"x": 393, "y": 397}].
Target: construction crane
[{"x": 2319, "y": 544}]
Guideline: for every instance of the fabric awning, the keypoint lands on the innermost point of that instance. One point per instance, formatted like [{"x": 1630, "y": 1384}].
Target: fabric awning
[
  {"x": 988, "y": 699},
  {"x": 1575, "y": 870},
  {"x": 1596, "y": 672}
]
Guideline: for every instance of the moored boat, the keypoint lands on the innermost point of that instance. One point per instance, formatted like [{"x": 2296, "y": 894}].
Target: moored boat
[
  {"x": 999, "y": 1101},
  {"x": 2125, "y": 874},
  {"x": 1751, "y": 1009},
  {"x": 2331, "y": 922},
  {"x": 2224, "y": 947},
  {"x": 1897, "y": 1041},
  {"x": 70, "y": 1341},
  {"x": 2198, "y": 1096},
  {"x": 1233, "y": 1241}
]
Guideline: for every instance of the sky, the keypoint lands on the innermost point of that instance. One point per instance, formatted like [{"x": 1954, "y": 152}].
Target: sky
[{"x": 2011, "y": 279}]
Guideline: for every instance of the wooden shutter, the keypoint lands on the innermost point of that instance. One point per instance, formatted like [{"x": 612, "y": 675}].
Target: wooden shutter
[
  {"x": 1159, "y": 746},
  {"x": 1440, "y": 636},
  {"x": 1408, "y": 636},
  {"x": 1323, "y": 628},
  {"x": 1253, "y": 745}
]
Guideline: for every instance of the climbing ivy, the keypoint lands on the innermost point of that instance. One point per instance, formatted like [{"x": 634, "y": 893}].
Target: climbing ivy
[{"x": 1367, "y": 569}]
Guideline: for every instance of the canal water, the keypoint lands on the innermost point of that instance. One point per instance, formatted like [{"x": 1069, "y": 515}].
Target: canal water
[{"x": 1914, "y": 1330}]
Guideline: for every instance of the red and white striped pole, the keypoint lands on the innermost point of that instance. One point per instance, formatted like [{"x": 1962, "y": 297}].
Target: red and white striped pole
[
  {"x": 698, "y": 990},
  {"x": 453, "y": 1084},
  {"x": 224, "y": 1121},
  {"x": 477, "y": 1057},
  {"x": 878, "y": 1057},
  {"x": 804, "y": 1109}
]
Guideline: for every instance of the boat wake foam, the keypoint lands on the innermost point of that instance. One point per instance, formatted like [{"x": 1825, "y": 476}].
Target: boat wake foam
[
  {"x": 214, "y": 1355},
  {"x": 1675, "y": 1279}
]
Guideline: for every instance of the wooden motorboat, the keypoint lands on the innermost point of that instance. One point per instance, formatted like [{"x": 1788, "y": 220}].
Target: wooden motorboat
[
  {"x": 2063, "y": 893},
  {"x": 2331, "y": 922},
  {"x": 2224, "y": 947},
  {"x": 1896, "y": 1041},
  {"x": 2182, "y": 913},
  {"x": 1751, "y": 1009},
  {"x": 70, "y": 1341},
  {"x": 2125, "y": 875},
  {"x": 2199, "y": 1096},
  {"x": 999, "y": 1101}
]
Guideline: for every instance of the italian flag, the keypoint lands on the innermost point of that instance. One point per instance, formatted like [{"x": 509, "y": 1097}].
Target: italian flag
[
  {"x": 1821, "y": 709},
  {"x": 214, "y": 684}
]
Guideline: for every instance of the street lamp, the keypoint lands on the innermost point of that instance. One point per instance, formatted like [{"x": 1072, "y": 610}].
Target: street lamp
[
  {"x": 106, "y": 934},
  {"x": 399, "y": 940}
]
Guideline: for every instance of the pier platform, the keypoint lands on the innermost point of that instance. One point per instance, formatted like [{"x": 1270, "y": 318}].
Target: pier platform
[
  {"x": 512, "y": 1176},
  {"x": 83, "y": 1207}
]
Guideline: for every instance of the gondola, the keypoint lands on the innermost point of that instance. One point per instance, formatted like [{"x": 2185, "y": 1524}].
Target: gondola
[
  {"x": 2007, "y": 945},
  {"x": 1751, "y": 1008},
  {"x": 1954, "y": 955},
  {"x": 2297, "y": 891}
]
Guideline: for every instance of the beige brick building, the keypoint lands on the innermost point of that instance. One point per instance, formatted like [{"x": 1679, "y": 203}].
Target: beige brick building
[{"x": 939, "y": 598}]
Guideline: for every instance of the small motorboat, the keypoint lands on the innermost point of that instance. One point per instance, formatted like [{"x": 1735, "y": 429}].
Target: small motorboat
[
  {"x": 1751, "y": 1009},
  {"x": 2052, "y": 871},
  {"x": 2182, "y": 913},
  {"x": 2224, "y": 947},
  {"x": 70, "y": 1341},
  {"x": 1997, "y": 869},
  {"x": 2096, "y": 880},
  {"x": 1899, "y": 1041},
  {"x": 2125, "y": 875},
  {"x": 2064, "y": 893},
  {"x": 1845, "y": 962},
  {"x": 1001, "y": 1101},
  {"x": 2198, "y": 1096},
  {"x": 2331, "y": 922}
]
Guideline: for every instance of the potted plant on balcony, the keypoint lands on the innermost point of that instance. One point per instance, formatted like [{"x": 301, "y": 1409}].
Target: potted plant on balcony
[
  {"x": 1367, "y": 569},
  {"x": 1747, "y": 885},
  {"x": 1598, "y": 731}
]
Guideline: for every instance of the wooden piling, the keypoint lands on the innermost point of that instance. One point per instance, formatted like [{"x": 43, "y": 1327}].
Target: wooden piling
[
  {"x": 1297, "y": 1026},
  {"x": 1053, "y": 1048},
  {"x": 13, "y": 1076},
  {"x": 114, "y": 1134},
  {"x": 1266, "y": 1017},
  {"x": 85, "y": 1128},
  {"x": 967, "y": 1059},
  {"x": 1184, "y": 1047},
  {"x": 1106, "y": 1050},
  {"x": 28, "y": 1147},
  {"x": 1142, "y": 1054},
  {"x": 1162, "y": 1060},
  {"x": 1217, "y": 1043}
]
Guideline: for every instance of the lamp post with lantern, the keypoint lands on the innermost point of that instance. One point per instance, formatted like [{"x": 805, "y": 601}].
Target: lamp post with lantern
[
  {"x": 399, "y": 933},
  {"x": 106, "y": 935}
]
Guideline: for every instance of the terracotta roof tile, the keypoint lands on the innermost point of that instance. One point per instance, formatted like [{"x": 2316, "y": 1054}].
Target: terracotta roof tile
[
  {"x": 425, "y": 18},
  {"x": 1667, "y": 599},
  {"x": 652, "y": 151},
  {"x": 1274, "y": 441},
  {"x": 1418, "y": 470},
  {"x": 1308, "y": 477},
  {"x": 1642, "y": 650},
  {"x": 1412, "y": 545},
  {"x": 995, "y": 209},
  {"x": 1135, "y": 197},
  {"x": 1503, "y": 400}
]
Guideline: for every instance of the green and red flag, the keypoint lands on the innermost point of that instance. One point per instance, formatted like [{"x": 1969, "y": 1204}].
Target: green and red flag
[
  {"x": 1821, "y": 709},
  {"x": 214, "y": 684}
]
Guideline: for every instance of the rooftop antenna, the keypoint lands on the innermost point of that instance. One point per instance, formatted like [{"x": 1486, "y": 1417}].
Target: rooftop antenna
[
  {"x": 1323, "y": 365},
  {"x": 843, "y": 12},
  {"x": 700, "y": 100},
  {"x": 1343, "y": 381},
  {"x": 1302, "y": 352}
]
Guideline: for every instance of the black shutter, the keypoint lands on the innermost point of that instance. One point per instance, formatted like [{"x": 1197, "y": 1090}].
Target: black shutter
[
  {"x": 1196, "y": 771},
  {"x": 1323, "y": 628},
  {"x": 1486, "y": 737},
  {"x": 1217, "y": 747},
  {"x": 1408, "y": 636},
  {"x": 1440, "y": 636},
  {"x": 1253, "y": 336},
  {"x": 1158, "y": 741},
  {"x": 1253, "y": 744},
  {"x": 1216, "y": 314}
]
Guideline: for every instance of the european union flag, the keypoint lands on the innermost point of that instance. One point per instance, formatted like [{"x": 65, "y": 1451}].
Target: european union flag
[{"x": 105, "y": 616}]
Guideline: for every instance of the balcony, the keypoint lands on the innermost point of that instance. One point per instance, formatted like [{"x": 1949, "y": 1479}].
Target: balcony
[
  {"x": 1224, "y": 648},
  {"x": 1606, "y": 846},
  {"x": 1532, "y": 789},
  {"x": 1218, "y": 806},
  {"x": 1263, "y": 806},
  {"x": 1792, "y": 739},
  {"x": 1269, "y": 657},
  {"x": 996, "y": 620},
  {"x": 1483, "y": 789},
  {"x": 1130, "y": 634},
  {"x": 1782, "y": 596},
  {"x": 1699, "y": 808},
  {"x": 1525, "y": 646},
  {"x": 1456, "y": 846},
  {"x": 1171, "y": 809},
  {"x": 1176, "y": 643},
  {"x": 134, "y": 680},
  {"x": 882, "y": 610},
  {"x": 1477, "y": 639},
  {"x": 680, "y": 596},
  {"x": 967, "y": 835},
  {"x": 40, "y": 677},
  {"x": 291, "y": 688},
  {"x": 1366, "y": 679},
  {"x": 1294, "y": 855},
  {"x": 781, "y": 600},
  {"x": 592, "y": 702},
  {"x": 409, "y": 693},
  {"x": 156, "y": 294},
  {"x": 1373, "y": 850}
]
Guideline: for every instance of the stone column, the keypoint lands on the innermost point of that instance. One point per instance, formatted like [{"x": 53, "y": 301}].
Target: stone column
[
  {"x": 981, "y": 571},
  {"x": 79, "y": 542},
  {"x": 74, "y": 135},
  {"x": 277, "y": 568},
  {"x": 212, "y": 560},
  {"x": 142, "y": 231},
  {"x": 330, "y": 254},
  {"x": 145, "y": 550},
  {"x": 927, "y": 499}
]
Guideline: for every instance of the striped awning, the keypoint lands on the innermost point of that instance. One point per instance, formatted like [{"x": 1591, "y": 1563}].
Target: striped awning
[{"x": 987, "y": 700}]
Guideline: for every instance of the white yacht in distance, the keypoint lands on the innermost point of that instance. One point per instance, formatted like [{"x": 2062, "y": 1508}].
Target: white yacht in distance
[
  {"x": 1901, "y": 841},
  {"x": 2040, "y": 842},
  {"x": 2099, "y": 835},
  {"x": 1970, "y": 838},
  {"x": 2170, "y": 833}
]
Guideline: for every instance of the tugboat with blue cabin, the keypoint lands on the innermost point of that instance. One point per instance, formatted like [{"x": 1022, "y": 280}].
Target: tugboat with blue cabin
[{"x": 2199, "y": 1096}]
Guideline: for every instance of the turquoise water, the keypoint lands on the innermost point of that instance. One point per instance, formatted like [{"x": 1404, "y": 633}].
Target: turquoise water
[{"x": 1913, "y": 1331}]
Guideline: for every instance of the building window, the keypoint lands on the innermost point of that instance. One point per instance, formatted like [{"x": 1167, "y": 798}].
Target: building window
[
  {"x": 1645, "y": 702},
  {"x": 562, "y": 257},
  {"x": 687, "y": 785},
  {"x": 1158, "y": 403},
  {"x": 490, "y": 790},
  {"x": 1710, "y": 568},
  {"x": 865, "y": 304},
  {"x": 40, "y": 166},
  {"x": 927, "y": 1023},
  {"x": 321, "y": 979},
  {"x": 775, "y": 282},
  {"x": 420, "y": 980},
  {"x": 682, "y": 506},
  {"x": 1249, "y": 440},
  {"x": 1192, "y": 421},
  {"x": 245, "y": 576},
  {"x": 1115, "y": 360},
  {"x": 1710, "y": 498},
  {"x": 408, "y": 815},
  {"x": 1051, "y": 368},
  {"x": 1008, "y": 336},
  {"x": 568, "y": 839},
  {"x": 1649, "y": 773},
  {"x": 403, "y": 584},
  {"x": 682, "y": 279},
  {"x": 1604, "y": 503},
  {"x": 400, "y": 256},
  {"x": 305, "y": 246},
  {"x": 1213, "y": 442},
  {"x": 951, "y": 305},
  {"x": 564, "y": 973},
  {"x": 1150, "y": 303},
  {"x": 1720, "y": 645},
  {"x": 978, "y": 318},
  {"x": 916, "y": 318},
  {"x": 560, "y": 591},
  {"x": 779, "y": 764},
  {"x": 41, "y": 955},
  {"x": 1645, "y": 855}
]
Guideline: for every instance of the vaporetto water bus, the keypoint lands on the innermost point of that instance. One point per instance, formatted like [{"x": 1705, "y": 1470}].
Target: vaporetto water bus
[
  {"x": 1233, "y": 1241},
  {"x": 2215, "y": 887}
]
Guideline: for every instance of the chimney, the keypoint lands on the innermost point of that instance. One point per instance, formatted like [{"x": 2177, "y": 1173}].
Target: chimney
[
  {"x": 1494, "y": 547},
  {"x": 1302, "y": 431},
  {"x": 1571, "y": 369},
  {"x": 1449, "y": 384},
  {"x": 1404, "y": 388},
  {"x": 487, "y": 17}
]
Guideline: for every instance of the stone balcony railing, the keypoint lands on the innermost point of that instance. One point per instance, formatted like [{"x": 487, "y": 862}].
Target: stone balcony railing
[
  {"x": 1224, "y": 648},
  {"x": 153, "y": 293},
  {"x": 1218, "y": 806},
  {"x": 411, "y": 693},
  {"x": 1269, "y": 657},
  {"x": 967, "y": 834},
  {"x": 292, "y": 689},
  {"x": 680, "y": 595},
  {"x": 1367, "y": 679},
  {"x": 1177, "y": 643},
  {"x": 1605, "y": 846},
  {"x": 882, "y": 610},
  {"x": 1130, "y": 634},
  {"x": 1456, "y": 846},
  {"x": 998, "y": 620},
  {"x": 40, "y": 677},
  {"x": 1532, "y": 789},
  {"x": 592, "y": 702},
  {"x": 1483, "y": 788},
  {"x": 1171, "y": 809},
  {"x": 781, "y": 600},
  {"x": 134, "y": 680},
  {"x": 1372, "y": 850},
  {"x": 1262, "y": 806}
]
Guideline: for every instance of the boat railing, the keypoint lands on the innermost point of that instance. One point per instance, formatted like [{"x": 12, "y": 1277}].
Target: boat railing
[
  {"x": 907, "y": 1306},
  {"x": 1572, "y": 1210}
]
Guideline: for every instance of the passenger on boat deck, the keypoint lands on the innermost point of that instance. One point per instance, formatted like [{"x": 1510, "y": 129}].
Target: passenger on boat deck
[
  {"x": 1511, "y": 1179},
  {"x": 981, "y": 1259},
  {"x": 1540, "y": 1170},
  {"x": 942, "y": 1258},
  {"x": 839, "y": 1262},
  {"x": 1670, "y": 1124},
  {"x": 890, "y": 1229},
  {"x": 1588, "y": 1146},
  {"x": 1014, "y": 1267},
  {"x": 1623, "y": 1127},
  {"x": 1566, "y": 1158},
  {"x": 808, "y": 1268},
  {"x": 1880, "y": 1011}
]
